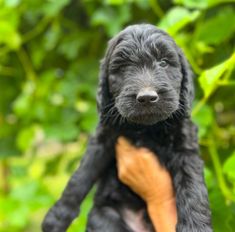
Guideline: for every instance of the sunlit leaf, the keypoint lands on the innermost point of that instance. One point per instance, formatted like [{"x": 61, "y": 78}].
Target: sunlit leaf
[
  {"x": 9, "y": 35},
  {"x": 26, "y": 137},
  {"x": 177, "y": 18},
  {"x": 22, "y": 103},
  {"x": 12, "y": 3},
  {"x": 228, "y": 167},
  {"x": 209, "y": 78},
  {"x": 201, "y": 4},
  {"x": 115, "y": 2}
]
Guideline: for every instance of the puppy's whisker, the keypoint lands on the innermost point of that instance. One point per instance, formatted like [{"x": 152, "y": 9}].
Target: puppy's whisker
[
  {"x": 111, "y": 110},
  {"x": 109, "y": 105}
]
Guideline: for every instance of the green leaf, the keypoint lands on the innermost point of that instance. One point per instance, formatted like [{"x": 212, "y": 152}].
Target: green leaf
[
  {"x": 19, "y": 216},
  {"x": 115, "y": 2},
  {"x": 203, "y": 119},
  {"x": 26, "y": 137},
  {"x": 62, "y": 131},
  {"x": 89, "y": 121},
  {"x": 8, "y": 147},
  {"x": 229, "y": 167},
  {"x": 143, "y": 4},
  {"x": 209, "y": 78},
  {"x": 52, "y": 7},
  {"x": 177, "y": 18},
  {"x": 23, "y": 102},
  {"x": 9, "y": 35},
  {"x": 209, "y": 178},
  {"x": 12, "y": 3},
  {"x": 73, "y": 43},
  {"x": 222, "y": 213},
  {"x": 217, "y": 28},
  {"x": 112, "y": 20},
  {"x": 201, "y": 4},
  {"x": 80, "y": 223}
]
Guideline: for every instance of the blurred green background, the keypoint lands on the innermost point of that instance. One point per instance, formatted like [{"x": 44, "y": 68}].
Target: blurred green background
[{"x": 49, "y": 61}]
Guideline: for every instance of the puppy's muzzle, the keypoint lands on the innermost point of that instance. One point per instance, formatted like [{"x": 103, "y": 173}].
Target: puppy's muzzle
[{"x": 147, "y": 96}]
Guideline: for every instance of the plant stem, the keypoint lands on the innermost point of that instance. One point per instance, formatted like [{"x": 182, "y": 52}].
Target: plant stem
[
  {"x": 5, "y": 173},
  {"x": 37, "y": 30},
  {"x": 25, "y": 61},
  {"x": 218, "y": 170}
]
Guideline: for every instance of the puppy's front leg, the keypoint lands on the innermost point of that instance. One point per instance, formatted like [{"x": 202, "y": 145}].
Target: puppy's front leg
[
  {"x": 191, "y": 194},
  {"x": 95, "y": 160},
  {"x": 188, "y": 179}
]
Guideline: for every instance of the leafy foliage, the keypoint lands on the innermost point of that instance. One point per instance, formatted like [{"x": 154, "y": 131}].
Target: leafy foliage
[{"x": 49, "y": 60}]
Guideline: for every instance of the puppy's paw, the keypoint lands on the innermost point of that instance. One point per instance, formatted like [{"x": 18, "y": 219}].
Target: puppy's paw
[
  {"x": 54, "y": 221},
  {"x": 51, "y": 223},
  {"x": 59, "y": 218}
]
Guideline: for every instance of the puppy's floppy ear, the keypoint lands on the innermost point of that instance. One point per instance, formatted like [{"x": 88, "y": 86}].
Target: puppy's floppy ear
[
  {"x": 103, "y": 94},
  {"x": 187, "y": 87}
]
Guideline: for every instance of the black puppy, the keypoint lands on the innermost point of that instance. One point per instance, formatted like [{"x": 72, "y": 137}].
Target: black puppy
[{"x": 145, "y": 94}]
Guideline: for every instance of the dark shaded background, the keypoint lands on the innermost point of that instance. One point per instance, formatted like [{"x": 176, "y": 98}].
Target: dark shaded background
[{"x": 49, "y": 60}]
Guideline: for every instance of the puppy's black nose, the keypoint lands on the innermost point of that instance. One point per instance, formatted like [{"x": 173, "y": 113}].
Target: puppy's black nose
[{"x": 146, "y": 96}]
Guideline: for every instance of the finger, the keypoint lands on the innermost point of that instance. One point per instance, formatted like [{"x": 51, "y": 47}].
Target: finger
[
  {"x": 121, "y": 166},
  {"x": 122, "y": 156},
  {"x": 123, "y": 141},
  {"x": 123, "y": 147}
]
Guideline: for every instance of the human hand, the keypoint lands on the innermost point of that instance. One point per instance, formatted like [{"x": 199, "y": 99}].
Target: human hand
[{"x": 140, "y": 169}]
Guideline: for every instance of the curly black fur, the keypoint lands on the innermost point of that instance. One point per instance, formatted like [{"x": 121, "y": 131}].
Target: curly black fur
[{"x": 139, "y": 57}]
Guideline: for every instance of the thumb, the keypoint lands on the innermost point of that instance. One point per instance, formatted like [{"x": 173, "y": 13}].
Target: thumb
[{"x": 123, "y": 146}]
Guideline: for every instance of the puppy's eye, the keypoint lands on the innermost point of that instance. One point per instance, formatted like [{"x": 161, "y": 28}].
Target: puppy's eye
[{"x": 163, "y": 63}]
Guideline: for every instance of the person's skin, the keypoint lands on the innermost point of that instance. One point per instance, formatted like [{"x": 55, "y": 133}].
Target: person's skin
[{"x": 140, "y": 169}]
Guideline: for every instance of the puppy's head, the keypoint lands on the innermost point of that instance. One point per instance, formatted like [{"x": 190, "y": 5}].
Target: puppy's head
[{"x": 144, "y": 77}]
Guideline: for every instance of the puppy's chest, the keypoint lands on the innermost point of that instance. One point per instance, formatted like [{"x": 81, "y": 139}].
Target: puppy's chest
[
  {"x": 113, "y": 188},
  {"x": 159, "y": 142}
]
